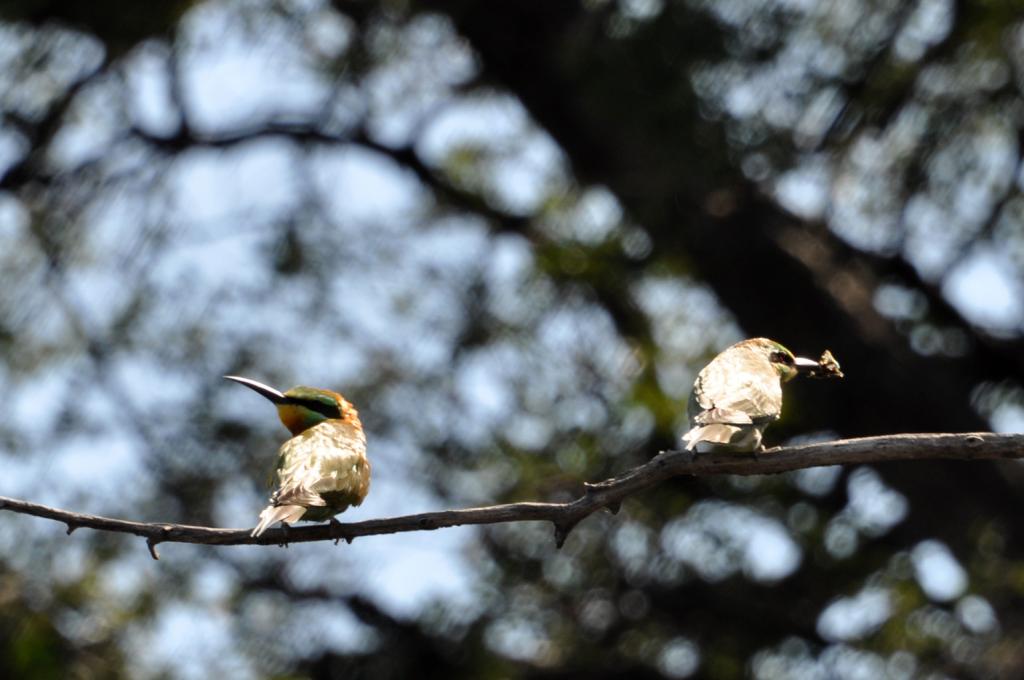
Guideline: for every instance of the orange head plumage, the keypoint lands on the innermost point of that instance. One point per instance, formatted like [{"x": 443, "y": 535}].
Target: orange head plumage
[{"x": 300, "y": 408}]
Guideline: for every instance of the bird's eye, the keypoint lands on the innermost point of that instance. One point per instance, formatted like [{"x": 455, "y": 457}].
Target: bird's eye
[{"x": 781, "y": 358}]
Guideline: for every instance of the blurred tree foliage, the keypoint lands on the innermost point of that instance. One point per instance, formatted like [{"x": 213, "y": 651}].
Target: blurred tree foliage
[{"x": 510, "y": 232}]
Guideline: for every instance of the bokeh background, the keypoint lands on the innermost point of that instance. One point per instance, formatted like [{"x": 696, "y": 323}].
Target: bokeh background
[{"x": 511, "y": 232}]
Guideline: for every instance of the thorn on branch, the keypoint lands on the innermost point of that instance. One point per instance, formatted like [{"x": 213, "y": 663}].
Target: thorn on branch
[
  {"x": 614, "y": 507},
  {"x": 71, "y": 527},
  {"x": 151, "y": 543},
  {"x": 562, "y": 531}
]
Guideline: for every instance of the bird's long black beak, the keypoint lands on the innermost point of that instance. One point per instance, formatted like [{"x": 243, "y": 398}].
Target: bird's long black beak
[{"x": 258, "y": 387}]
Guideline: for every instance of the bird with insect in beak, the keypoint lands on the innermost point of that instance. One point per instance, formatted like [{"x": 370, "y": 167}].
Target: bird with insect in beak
[
  {"x": 738, "y": 394},
  {"x": 322, "y": 469}
]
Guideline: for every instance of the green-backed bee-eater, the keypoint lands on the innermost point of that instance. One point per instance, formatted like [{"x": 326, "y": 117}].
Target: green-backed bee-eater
[
  {"x": 738, "y": 394},
  {"x": 323, "y": 468}
]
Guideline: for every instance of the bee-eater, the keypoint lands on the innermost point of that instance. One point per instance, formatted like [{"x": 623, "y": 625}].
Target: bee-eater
[
  {"x": 738, "y": 394},
  {"x": 323, "y": 468}
]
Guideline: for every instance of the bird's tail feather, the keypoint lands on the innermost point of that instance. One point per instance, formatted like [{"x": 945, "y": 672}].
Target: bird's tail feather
[{"x": 277, "y": 513}]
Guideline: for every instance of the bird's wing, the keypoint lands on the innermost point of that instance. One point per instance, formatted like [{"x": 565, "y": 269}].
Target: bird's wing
[
  {"x": 330, "y": 456},
  {"x": 724, "y": 416},
  {"x": 740, "y": 385},
  {"x": 296, "y": 494}
]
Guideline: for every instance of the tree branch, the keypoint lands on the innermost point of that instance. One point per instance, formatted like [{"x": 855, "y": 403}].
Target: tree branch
[
  {"x": 564, "y": 516},
  {"x": 300, "y": 133}
]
